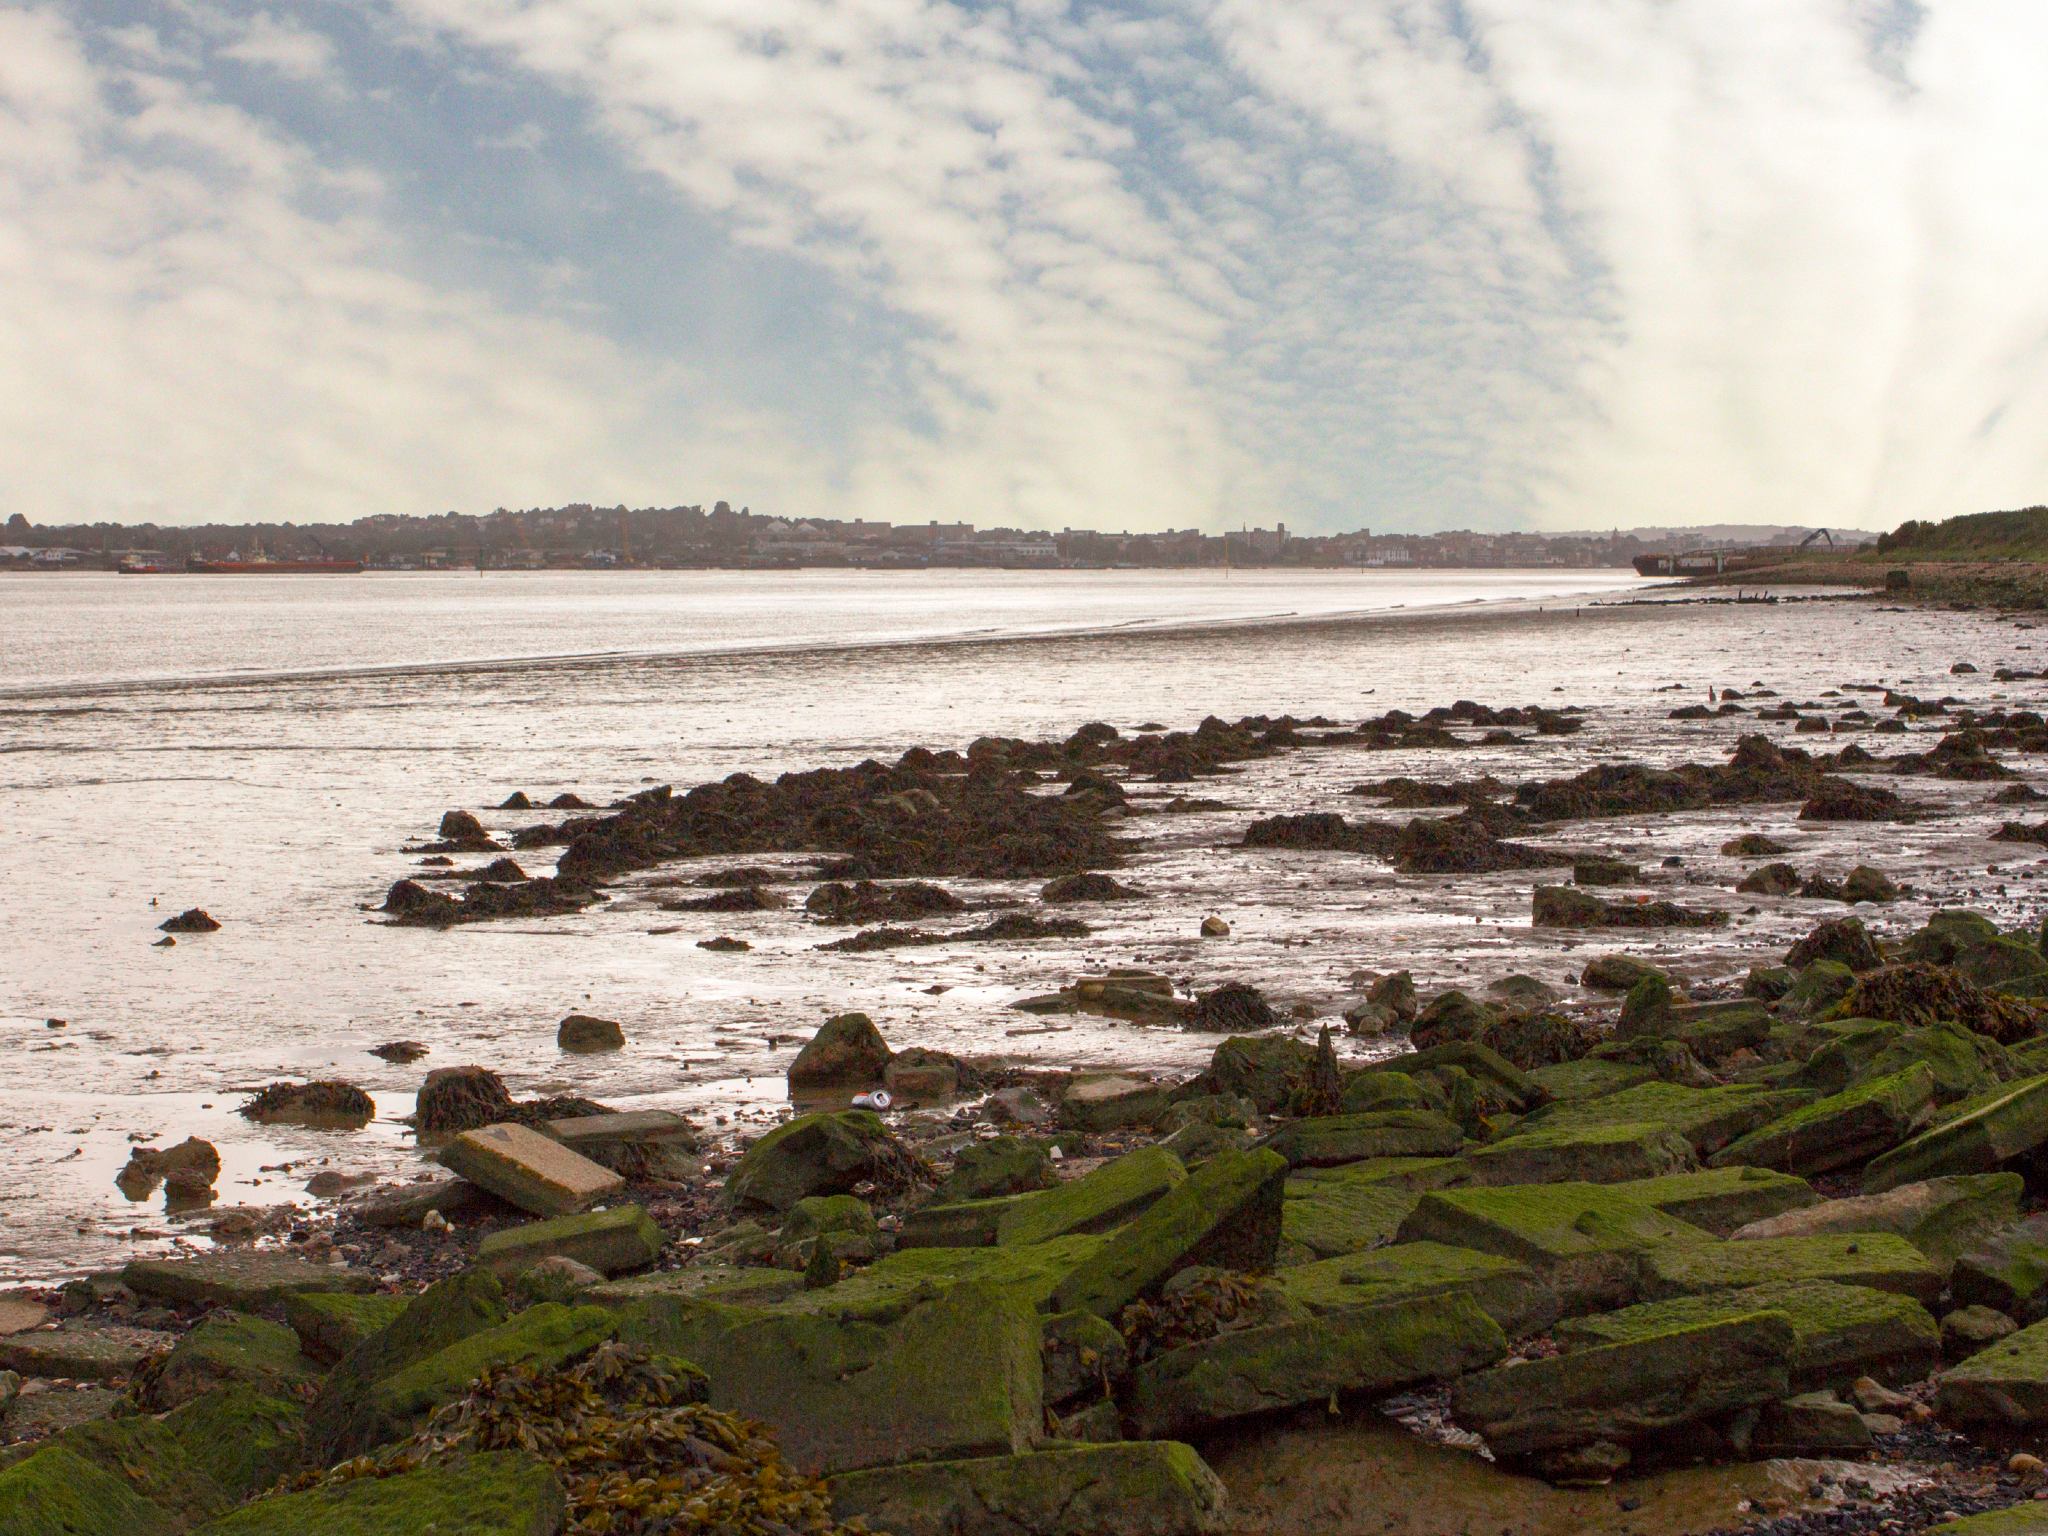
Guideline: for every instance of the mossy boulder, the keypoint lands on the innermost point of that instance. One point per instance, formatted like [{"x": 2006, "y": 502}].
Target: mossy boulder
[
  {"x": 1881, "y": 1260},
  {"x": 1616, "y": 973},
  {"x": 1509, "y": 1293},
  {"x": 1369, "y": 1093},
  {"x": 1326, "y": 1141},
  {"x": 1590, "y": 1078},
  {"x": 199, "y": 1460},
  {"x": 1096, "y": 1201},
  {"x": 1226, "y": 1213},
  {"x": 497, "y": 1493},
  {"x": 546, "y": 1337},
  {"x": 57, "y": 1492},
  {"x": 1366, "y": 1352},
  {"x": 1721, "y": 1200},
  {"x": 1948, "y": 934},
  {"x": 1707, "y": 1118},
  {"x": 1983, "y": 1134},
  {"x": 1841, "y": 941},
  {"x": 1141, "y": 1488},
  {"x": 248, "y": 1282},
  {"x": 1598, "y": 1154},
  {"x": 1002, "y": 1165},
  {"x": 1502, "y": 1085},
  {"x": 1649, "y": 1002},
  {"x": 231, "y": 1349},
  {"x": 1943, "y": 1218},
  {"x": 612, "y": 1242},
  {"x": 822, "y": 1154},
  {"x": 846, "y": 1052},
  {"x": 2004, "y": 1387},
  {"x": 341, "y": 1421},
  {"x": 955, "y": 1375},
  {"x": 2008, "y": 1270},
  {"x": 1269, "y": 1070},
  {"x": 1839, "y": 1332},
  {"x": 1847, "y": 1128},
  {"x": 330, "y": 1323},
  {"x": 1820, "y": 987},
  {"x": 1320, "y": 1219}
]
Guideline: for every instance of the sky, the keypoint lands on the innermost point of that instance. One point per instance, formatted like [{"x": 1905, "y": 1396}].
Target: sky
[{"x": 1406, "y": 264}]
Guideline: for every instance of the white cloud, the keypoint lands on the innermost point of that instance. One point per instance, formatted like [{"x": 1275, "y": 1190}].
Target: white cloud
[
  {"x": 184, "y": 340},
  {"x": 296, "y": 52}
]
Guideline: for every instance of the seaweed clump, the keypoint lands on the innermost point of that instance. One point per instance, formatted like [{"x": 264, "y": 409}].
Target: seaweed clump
[
  {"x": 320, "y": 1103},
  {"x": 634, "y": 1445},
  {"x": 1919, "y": 994}
]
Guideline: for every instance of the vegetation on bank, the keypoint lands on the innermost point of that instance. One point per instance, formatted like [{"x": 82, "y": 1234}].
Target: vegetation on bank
[{"x": 2019, "y": 535}]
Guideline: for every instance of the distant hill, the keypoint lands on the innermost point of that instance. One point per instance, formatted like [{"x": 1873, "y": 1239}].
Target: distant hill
[{"x": 2021, "y": 535}]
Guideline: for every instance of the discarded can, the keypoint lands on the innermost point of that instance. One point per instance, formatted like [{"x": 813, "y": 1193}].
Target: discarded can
[{"x": 879, "y": 1099}]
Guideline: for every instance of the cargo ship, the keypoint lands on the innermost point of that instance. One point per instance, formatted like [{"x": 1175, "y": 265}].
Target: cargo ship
[
  {"x": 1706, "y": 562},
  {"x": 319, "y": 567}
]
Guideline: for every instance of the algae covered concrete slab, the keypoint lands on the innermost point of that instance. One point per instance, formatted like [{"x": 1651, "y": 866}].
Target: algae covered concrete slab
[
  {"x": 82, "y": 1351},
  {"x": 331, "y": 1323},
  {"x": 1839, "y": 1332},
  {"x": 1986, "y": 1133},
  {"x": 1847, "y": 1128},
  {"x": 1369, "y": 1351},
  {"x": 1943, "y": 1218},
  {"x": 497, "y": 1493},
  {"x": 1326, "y": 1141},
  {"x": 233, "y": 1349},
  {"x": 1098, "y": 1200},
  {"x": 1720, "y": 1200},
  {"x": 956, "y": 1376},
  {"x": 1320, "y": 1220},
  {"x": 1596, "y": 1154},
  {"x": 1508, "y": 1292},
  {"x": 57, "y": 1492},
  {"x": 248, "y": 1282},
  {"x": 1708, "y": 1118},
  {"x": 1881, "y": 1260},
  {"x": 545, "y": 1336},
  {"x": 534, "y": 1172},
  {"x": 1620, "y": 1393},
  {"x": 1138, "y": 1488},
  {"x": 611, "y": 1242},
  {"x": 2004, "y": 1387},
  {"x": 199, "y": 1460},
  {"x": 713, "y": 1282},
  {"x": 1226, "y": 1213}
]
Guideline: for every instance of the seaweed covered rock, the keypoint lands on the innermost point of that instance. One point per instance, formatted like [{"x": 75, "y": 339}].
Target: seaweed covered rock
[
  {"x": 846, "y": 1052},
  {"x": 323, "y": 1103},
  {"x": 1917, "y": 993},
  {"x": 1002, "y": 1165},
  {"x": 1564, "y": 906},
  {"x": 1983, "y": 1135},
  {"x": 1457, "y": 845},
  {"x": 584, "y": 1033},
  {"x": 506, "y": 1493},
  {"x": 1230, "y": 1008},
  {"x": 1943, "y": 1218},
  {"x": 1843, "y": 940},
  {"x": 1838, "y": 799},
  {"x": 1270, "y": 1071},
  {"x": 1087, "y": 886},
  {"x": 866, "y": 901},
  {"x": 1847, "y": 1128},
  {"x": 229, "y": 1350},
  {"x": 822, "y": 1154},
  {"x": 454, "y": 1099}
]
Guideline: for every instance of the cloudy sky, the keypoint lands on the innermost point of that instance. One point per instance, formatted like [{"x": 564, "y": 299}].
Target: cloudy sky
[{"x": 1405, "y": 263}]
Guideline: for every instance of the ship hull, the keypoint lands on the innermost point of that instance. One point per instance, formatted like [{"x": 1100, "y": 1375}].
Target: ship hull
[{"x": 274, "y": 567}]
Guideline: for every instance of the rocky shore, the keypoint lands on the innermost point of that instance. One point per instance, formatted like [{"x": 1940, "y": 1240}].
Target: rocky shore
[{"x": 1750, "y": 1245}]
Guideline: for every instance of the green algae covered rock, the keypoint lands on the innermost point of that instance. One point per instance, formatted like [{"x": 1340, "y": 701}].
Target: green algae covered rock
[
  {"x": 248, "y": 1282},
  {"x": 1320, "y": 1218},
  {"x": 340, "y": 1422},
  {"x": 1502, "y": 1084},
  {"x": 1621, "y": 1393},
  {"x": 331, "y": 1323},
  {"x": 1368, "y": 1351},
  {"x": 1590, "y": 1078},
  {"x": 1943, "y": 1218},
  {"x": 1140, "y": 1488},
  {"x": 1820, "y": 986},
  {"x": 1004, "y": 1165},
  {"x": 1880, "y": 1260},
  {"x": 957, "y": 1375},
  {"x": 1227, "y": 1213},
  {"x": 1584, "y": 1240},
  {"x": 1508, "y": 1292},
  {"x": 1597, "y": 1154},
  {"x": 230, "y": 1349},
  {"x": 823, "y": 1154},
  {"x": 1368, "y": 1093},
  {"x": 2007, "y": 1270},
  {"x": 57, "y": 1492},
  {"x": 547, "y": 1336},
  {"x": 201, "y": 1459},
  {"x": 1964, "y": 1063},
  {"x": 1719, "y": 1200},
  {"x": 1985, "y": 1133},
  {"x": 497, "y": 1493},
  {"x": 2024, "y": 1519},
  {"x": 611, "y": 1242},
  {"x": 1850, "y": 1127},
  {"x": 2005, "y": 1386},
  {"x": 1098, "y": 1200},
  {"x": 1708, "y": 1118},
  {"x": 1326, "y": 1141},
  {"x": 889, "y": 1288},
  {"x": 1269, "y": 1070},
  {"x": 1839, "y": 1332}
]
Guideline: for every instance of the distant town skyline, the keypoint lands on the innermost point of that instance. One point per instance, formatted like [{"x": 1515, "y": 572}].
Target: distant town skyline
[{"x": 1499, "y": 264}]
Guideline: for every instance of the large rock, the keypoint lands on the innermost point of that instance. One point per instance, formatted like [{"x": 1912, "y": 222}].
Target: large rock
[
  {"x": 1270, "y": 1070},
  {"x": 1226, "y": 1213},
  {"x": 957, "y": 1375},
  {"x": 1332, "y": 1211},
  {"x": 1096, "y": 1201},
  {"x": 330, "y": 1324},
  {"x": 2007, "y": 1270},
  {"x": 229, "y": 1350},
  {"x": 1620, "y": 1394},
  {"x": 1597, "y": 1154},
  {"x": 1843, "y": 940},
  {"x": 583, "y": 1033},
  {"x": 1326, "y": 1141},
  {"x": 1719, "y": 1200},
  {"x": 532, "y": 1171},
  {"x": 988, "y": 1170},
  {"x": 1942, "y": 1218},
  {"x": 1141, "y": 1488},
  {"x": 497, "y": 1493},
  {"x": 248, "y": 1282},
  {"x": 824, "y": 1154},
  {"x": 636, "y": 1144},
  {"x": 1108, "y": 1101},
  {"x": 2003, "y": 1387},
  {"x": 1986, "y": 1133},
  {"x": 1368, "y": 1351},
  {"x": 848, "y": 1052},
  {"x": 545, "y": 1337},
  {"x": 610, "y": 1242},
  {"x": 57, "y": 1492},
  {"x": 1840, "y": 1332},
  {"x": 1850, "y": 1127},
  {"x": 1508, "y": 1292},
  {"x": 1876, "y": 1259},
  {"x": 1707, "y": 1118},
  {"x": 82, "y": 1352},
  {"x": 196, "y": 1462}
]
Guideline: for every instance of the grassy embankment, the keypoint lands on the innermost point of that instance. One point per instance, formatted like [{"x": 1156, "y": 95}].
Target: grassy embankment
[{"x": 1997, "y": 559}]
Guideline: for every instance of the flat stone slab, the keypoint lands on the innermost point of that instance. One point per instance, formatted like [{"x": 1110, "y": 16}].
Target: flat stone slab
[
  {"x": 745, "y": 1284},
  {"x": 639, "y": 1143},
  {"x": 35, "y": 1414},
  {"x": 1988, "y": 1132},
  {"x": 18, "y": 1314},
  {"x": 1140, "y": 1488},
  {"x": 1508, "y": 1292},
  {"x": 1370, "y": 1351},
  {"x": 610, "y": 1242},
  {"x": 1880, "y": 1260},
  {"x": 534, "y": 1172},
  {"x": 85, "y": 1353},
  {"x": 248, "y": 1282},
  {"x": 2005, "y": 1386}
]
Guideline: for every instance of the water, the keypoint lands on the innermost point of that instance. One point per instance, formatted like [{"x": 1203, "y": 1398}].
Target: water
[{"x": 264, "y": 747}]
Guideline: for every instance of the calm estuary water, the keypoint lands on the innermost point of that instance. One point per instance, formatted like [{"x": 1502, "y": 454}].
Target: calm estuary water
[{"x": 264, "y": 747}]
